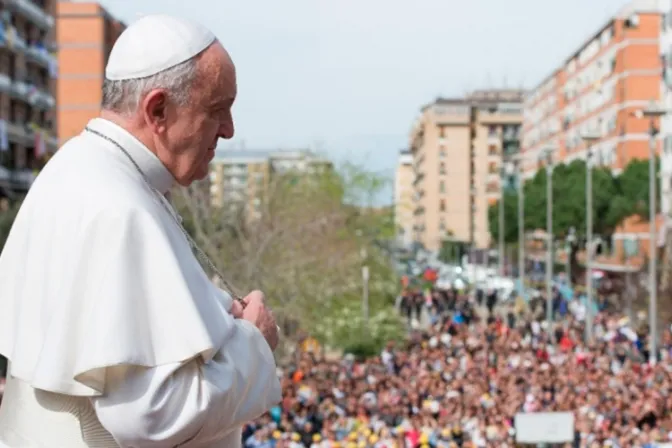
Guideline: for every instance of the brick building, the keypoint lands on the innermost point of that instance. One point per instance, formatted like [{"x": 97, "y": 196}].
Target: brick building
[
  {"x": 86, "y": 33},
  {"x": 598, "y": 89}
]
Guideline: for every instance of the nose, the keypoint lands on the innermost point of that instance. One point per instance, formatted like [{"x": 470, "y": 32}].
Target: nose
[{"x": 227, "y": 129}]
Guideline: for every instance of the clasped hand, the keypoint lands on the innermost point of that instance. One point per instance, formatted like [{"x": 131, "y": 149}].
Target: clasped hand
[{"x": 254, "y": 310}]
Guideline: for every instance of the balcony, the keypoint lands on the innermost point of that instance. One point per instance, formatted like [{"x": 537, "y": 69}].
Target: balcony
[
  {"x": 511, "y": 148},
  {"x": 492, "y": 187},
  {"x": 17, "y": 180},
  {"x": 32, "y": 12},
  {"x": 35, "y": 52},
  {"x": 24, "y": 134},
  {"x": 511, "y": 135},
  {"x": 38, "y": 54},
  {"x": 35, "y": 96},
  {"x": 27, "y": 92}
]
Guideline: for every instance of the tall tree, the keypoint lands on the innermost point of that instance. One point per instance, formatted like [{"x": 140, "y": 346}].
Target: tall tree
[
  {"x": 304, "y": 244},
  {"x": 614, "y": 198}
]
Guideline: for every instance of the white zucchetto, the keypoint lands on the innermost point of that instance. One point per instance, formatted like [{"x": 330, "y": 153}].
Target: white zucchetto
[{"x": 155, "y": 43}]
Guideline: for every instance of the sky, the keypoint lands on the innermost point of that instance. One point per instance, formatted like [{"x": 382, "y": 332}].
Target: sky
[{"x": 347, "y": 77}]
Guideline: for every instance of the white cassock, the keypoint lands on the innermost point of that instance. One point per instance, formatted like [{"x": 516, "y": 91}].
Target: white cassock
[{"x": 114, "y": 333}]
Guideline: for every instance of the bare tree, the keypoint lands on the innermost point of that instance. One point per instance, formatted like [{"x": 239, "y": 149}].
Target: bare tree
[{"x": 300, "y": 240}]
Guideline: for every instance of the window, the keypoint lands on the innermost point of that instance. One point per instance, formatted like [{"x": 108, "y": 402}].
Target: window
[
  {"x": 492, "y": 131},
  {"x": 442, "y": 225},
  {"x": 442, "y": 205},
  {"x": 442, "y": 153},
  {"x": 442, "y": 131},
  {"x": 492, "y": 150},
  {"x": 442, "y": 187},
  {"x": 442, "y": 168}
]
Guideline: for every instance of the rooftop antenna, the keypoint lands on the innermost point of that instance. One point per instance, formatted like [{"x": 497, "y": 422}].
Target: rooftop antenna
[{"x": 488, "y": 80}]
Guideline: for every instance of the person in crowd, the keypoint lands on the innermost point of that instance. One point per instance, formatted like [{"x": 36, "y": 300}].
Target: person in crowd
[{"x": 459, "y": 384}]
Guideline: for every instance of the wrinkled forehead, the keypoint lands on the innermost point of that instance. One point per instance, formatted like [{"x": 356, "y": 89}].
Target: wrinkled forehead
[{"x": 218, "y": 74}]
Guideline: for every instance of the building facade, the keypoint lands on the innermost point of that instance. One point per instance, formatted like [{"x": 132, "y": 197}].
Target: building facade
[
  {"x": 240, "y": 179},
  {"x": 458, "y": 147},
  {"x": 86, "y": 33},
  {"x": 28, "y": 68},
  {"x": 403, "y": 199},
  {"x": 666, "y": 102},
  {"x": 597, "y": 91}
]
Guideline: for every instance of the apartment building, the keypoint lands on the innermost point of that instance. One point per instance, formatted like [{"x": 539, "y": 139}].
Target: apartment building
[
  {"x": 666, "y": 102},
  {"x": 86, "y": 33},
  {"x": 28, "y": 69},
  {"x": 239, "y": 179},
  {"x": 597, "y": 90},
  {"x": 403, "y": 198},
  {"x": 458, "y": 146}
]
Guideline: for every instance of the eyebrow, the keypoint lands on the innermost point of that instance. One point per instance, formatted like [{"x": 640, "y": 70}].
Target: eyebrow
[{"x": 225, "y": 102}]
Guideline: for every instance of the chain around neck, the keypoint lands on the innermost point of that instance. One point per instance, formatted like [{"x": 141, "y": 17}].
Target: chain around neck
[{"x": 177, "y": 219}]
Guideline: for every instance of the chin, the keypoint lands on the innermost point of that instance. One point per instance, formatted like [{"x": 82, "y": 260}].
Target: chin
[{"x": 201, "y": 174}]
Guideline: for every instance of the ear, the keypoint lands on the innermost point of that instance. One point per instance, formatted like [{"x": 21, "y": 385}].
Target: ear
[{"x": 154, "y": 109}]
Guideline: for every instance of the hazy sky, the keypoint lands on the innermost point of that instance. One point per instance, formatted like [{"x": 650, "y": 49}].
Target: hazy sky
[{"x": 348, "y": 76}]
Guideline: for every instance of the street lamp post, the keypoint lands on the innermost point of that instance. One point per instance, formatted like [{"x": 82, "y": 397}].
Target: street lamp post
[
  {"x": 502, "y": 174},
  {"x": 548, "y": 153},
  {"x": 652, "y": 112},
  {"x": 589, "y": 139},
  {"x": 570, "y": 240},
  {"x": 521, "y": 227},
  {"x": 365, "y": 280}
]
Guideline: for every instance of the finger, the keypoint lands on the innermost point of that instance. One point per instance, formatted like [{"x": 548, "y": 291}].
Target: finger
[
  {"x": 237, "y": 309},
  {"x": 254, "y": 295}
]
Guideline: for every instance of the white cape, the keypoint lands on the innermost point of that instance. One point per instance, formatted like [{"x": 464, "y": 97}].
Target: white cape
[{"x": 96, "y": 274}]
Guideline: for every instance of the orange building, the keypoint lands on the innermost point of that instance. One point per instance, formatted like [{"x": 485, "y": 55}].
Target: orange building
[
  {"x": 597, "y": 90},
  {"x": 86, "y": 33}
]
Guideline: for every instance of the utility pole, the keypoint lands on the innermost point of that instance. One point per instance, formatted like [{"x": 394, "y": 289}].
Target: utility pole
[
  {"x": 549, "y": 239},
  {"x": 501, "y": 221},
  {"x": 653, "y": 112},
  {"x": 521, "y": 228},
  {"x": 589, "y": 248},
  {"x": 589, "y": 140}
]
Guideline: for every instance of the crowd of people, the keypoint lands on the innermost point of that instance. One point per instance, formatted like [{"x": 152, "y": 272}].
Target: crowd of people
[{"x": 460, "y": 381}]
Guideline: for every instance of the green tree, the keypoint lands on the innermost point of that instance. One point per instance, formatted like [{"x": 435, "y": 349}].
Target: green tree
[
  {"x": 7, "y": 220},
  {"x": 510, "y": 217},
  {"x": 304, "y": 243},
  {"x": 633, "y": 184},
  {"x": 614, "y": 198}
]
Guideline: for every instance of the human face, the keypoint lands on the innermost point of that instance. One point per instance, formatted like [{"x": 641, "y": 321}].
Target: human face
[{"x": 195, "y": 128}]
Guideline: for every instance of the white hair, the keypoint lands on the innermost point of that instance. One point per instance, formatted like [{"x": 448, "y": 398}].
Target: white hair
[{"x": 124, "y": 96}]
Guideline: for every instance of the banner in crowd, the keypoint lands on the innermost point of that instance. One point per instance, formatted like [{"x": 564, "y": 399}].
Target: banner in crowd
[{"x": 544, "y": 427}]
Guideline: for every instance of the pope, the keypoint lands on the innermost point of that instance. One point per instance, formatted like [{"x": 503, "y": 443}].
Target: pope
[{"x": 115, "y": 334}]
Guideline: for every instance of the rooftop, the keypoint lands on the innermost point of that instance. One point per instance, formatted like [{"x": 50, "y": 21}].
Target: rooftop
[{"x": 260, "y": 155}]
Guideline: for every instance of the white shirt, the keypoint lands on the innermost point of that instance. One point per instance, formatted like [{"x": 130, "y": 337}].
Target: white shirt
[{"x": 103, "y": 298}]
